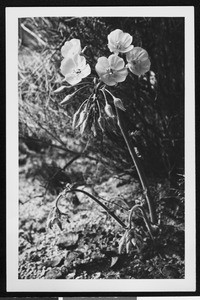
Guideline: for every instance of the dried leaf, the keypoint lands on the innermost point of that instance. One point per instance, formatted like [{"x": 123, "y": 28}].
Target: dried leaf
[{"x": 54, "y": 219}]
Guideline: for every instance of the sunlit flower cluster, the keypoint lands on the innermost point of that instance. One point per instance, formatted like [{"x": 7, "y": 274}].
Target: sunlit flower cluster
[
  {"x": 138, "y": 62},
  {"x": 111, "y": 70}
]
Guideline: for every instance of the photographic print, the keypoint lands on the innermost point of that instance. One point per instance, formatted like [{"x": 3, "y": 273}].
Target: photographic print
[{"x": 100, "y": 131}]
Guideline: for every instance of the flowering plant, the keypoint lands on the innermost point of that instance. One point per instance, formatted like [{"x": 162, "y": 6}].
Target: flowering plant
[{"x": 101, "y": 105}]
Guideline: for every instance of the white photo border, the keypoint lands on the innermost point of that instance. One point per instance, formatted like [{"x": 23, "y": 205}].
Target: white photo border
[{"x": 128, "y": 285}]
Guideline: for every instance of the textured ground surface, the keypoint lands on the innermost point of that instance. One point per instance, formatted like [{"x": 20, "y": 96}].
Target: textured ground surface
[{"x": 87, "y": 245}]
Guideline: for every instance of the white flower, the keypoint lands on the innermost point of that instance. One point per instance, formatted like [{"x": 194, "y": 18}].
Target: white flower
[
  {"x": 75, "y": 68},
  {"x": 111, "y": 70},
  {"x": 138, "y": 61},
  {"x": 119, "y": 41}
]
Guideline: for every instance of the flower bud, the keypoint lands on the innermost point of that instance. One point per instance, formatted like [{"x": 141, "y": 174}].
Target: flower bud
[
  {"x": 83, "y": 126},
  {"x": 60, "y": 89},
  {"x": 93, "y": 128},
  {"x": 119, "y": 104},
  {"x": 75, "y": 119},
  {"x": 68, "y": 99},
  {"x": 78, "y": 118},
  {"x": 82, "y": 117},
  {"x": 109, "y": 111}
]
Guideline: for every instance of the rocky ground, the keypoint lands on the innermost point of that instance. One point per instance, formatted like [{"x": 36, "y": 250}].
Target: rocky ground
[{"x": 87, "y": 245}]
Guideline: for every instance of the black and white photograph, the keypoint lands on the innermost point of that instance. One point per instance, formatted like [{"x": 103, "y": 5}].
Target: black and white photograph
[{"x": 100, "y": 135}]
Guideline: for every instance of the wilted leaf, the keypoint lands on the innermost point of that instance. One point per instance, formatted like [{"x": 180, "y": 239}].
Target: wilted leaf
[{"x": 54, "y": 219}]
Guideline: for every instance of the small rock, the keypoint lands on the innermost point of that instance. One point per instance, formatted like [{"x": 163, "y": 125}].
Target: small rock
[
  {"x": 54, "y": 262},
  {"x": 53, "y": 274},
  {"x": 70, "y": 276}
]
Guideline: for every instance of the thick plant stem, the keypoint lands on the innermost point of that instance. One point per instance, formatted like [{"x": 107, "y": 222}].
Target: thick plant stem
[
  {"x": 93, "y": 198},
  {"x": 138, "y": 166}
]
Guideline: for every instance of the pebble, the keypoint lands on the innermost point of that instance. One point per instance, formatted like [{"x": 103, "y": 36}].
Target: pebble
[{"x": 53, "y": 274}]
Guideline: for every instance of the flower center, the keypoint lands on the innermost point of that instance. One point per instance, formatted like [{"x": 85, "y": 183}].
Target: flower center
[
  {"x": 136, "y": 61},
  {"x": 77, "y": 71},
  {"x": 109, "y": 71},
  {"x": 118, "y": 46}
]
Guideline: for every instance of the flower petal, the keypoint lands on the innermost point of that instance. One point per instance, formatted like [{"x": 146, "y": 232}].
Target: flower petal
[
  {"x": 85, "y": 71},
  {"x": 126, "y": 40},
  {"x": 71, "y": 48},
  {"x": 137, "y": 53},
  {"x": 140, "y": 68},
  {"x": 108, "y": 79},
  {"x": 113, "y": 48},
  {"x": 116, "y": 62},
  {"x": 73, "y": 78},
  {"x": 67, "y": 65},
  {"x": 102, "y": 65},
  {"x": 120, "y": 75},
  {"x": 80, "y": 61},
  {"x": 114, "y": 36},
  {"x": 125, "y": 50}
]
